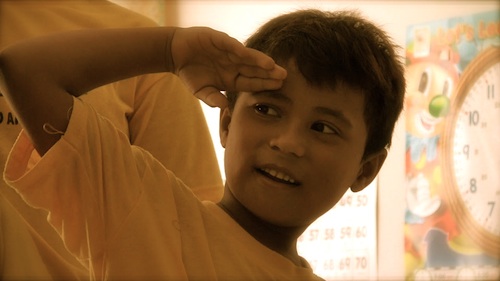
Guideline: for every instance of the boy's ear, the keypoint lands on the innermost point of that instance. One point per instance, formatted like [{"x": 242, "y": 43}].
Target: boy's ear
[
  {"x": 369, "y": 170},
  {"x": 224, "y": 121}
]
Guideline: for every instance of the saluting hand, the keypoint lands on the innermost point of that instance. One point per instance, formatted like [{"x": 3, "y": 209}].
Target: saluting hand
[{"x": 210, "y": 61}]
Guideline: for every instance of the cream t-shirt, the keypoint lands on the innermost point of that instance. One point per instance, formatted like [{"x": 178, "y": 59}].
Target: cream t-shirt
[{"x": 119, "y": 210}]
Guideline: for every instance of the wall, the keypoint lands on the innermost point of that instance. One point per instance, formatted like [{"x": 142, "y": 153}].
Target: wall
[
  {"x": 163, "y": 12},
  {"x": 240, "y": 18}
]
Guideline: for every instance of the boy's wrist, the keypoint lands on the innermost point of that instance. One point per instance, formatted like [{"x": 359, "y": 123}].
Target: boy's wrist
[{"x": 169, "y": 60}]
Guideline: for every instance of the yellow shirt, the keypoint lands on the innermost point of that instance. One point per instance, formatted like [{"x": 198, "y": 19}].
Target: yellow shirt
[
  {"x": 140, "y": 107},
  {"x": 146, "y": 225}
]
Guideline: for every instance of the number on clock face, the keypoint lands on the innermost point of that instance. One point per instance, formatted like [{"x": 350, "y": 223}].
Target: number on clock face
[{"x": 476, "y": 150}]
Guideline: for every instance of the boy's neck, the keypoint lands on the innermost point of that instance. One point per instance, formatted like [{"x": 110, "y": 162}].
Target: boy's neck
[{"x": 282, "y": 240}]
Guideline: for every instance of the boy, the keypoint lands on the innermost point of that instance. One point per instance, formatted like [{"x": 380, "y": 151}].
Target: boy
[{"x": 293, "y": 147}]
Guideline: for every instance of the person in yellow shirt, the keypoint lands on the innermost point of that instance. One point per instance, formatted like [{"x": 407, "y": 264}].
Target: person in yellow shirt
[
  {"x": 30, "y": 249},
  {"x": 296, "y": 138}
]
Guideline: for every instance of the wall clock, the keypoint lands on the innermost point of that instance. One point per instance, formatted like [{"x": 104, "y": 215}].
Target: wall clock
[{"x": 471, "y": 152}]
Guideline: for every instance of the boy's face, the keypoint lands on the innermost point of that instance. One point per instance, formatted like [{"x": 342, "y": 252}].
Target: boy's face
[{"x": 291, "y": 154}]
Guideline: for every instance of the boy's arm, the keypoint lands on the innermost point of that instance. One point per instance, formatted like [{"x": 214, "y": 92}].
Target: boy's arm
[{"x": 38, "y": 76}]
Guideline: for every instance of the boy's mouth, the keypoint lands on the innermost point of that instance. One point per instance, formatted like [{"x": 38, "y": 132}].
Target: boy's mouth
[{"x": 278, "y": 176}]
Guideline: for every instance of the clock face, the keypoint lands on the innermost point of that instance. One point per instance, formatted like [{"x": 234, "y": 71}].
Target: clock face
[
  {"x": 472, "y": 152},
  {"x": 476, "y": 150}
]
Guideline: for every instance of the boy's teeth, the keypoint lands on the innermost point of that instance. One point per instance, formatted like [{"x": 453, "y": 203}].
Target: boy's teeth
[{"x": 279, "y": 175}]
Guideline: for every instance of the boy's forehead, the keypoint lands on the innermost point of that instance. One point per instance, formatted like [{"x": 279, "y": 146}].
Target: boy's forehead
[
  {"x": 323, "y": 94},
  {"x": 290, "y": 84},
  {"x": 296, "y": 81}
]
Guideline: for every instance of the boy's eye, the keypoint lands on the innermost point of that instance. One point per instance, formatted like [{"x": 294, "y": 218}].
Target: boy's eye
[
  {"x": 265, "y": 110},
  {"x": 323, "y": 128}
]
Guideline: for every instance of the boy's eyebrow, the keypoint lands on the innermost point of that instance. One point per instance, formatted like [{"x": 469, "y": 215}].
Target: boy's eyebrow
[
  {"x": 274, "y": 95},
  {"x": 337, "y": 114}
]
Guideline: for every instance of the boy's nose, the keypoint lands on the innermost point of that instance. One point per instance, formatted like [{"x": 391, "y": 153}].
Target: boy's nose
[{"x": 289, "y": 140}]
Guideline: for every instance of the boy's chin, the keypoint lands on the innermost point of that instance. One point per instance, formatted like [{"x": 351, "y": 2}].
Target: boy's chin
[{"x": 286, "y": 221}]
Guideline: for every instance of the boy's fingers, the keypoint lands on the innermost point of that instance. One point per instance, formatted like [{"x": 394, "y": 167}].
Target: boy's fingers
[
  {"x": 277, "y": 72},
  {"x": 250, "y": 84},
  {"x": 212, "y": 97},
  {"x": 243, "y": 55}
]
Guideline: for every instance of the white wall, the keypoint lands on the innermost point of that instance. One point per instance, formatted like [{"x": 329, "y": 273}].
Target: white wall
[{"x": 240, "y": 18}]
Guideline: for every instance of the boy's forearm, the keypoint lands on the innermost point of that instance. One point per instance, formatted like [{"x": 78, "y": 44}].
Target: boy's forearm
[
  {"x": 82, "y": 60},
  {"x": 36, "y": 75}
]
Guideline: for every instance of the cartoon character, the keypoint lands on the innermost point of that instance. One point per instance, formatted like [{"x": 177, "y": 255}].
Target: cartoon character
[
  {"x": 429, "y": 90},
  {"x": 430, "y": 85}
]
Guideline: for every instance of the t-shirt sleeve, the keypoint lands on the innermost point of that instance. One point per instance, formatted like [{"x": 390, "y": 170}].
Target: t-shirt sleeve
[
  {"x": 154, "y": 121},
  {"x": 89, "y": 181}
]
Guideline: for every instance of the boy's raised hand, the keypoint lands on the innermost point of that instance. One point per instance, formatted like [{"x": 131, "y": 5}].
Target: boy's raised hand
[
  {"x": 72, "y": 63},
  {"x": 210, "y": 61}
]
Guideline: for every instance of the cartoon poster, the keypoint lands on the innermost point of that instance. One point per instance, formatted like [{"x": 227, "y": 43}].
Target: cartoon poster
[{"x": 439, "y": 244}]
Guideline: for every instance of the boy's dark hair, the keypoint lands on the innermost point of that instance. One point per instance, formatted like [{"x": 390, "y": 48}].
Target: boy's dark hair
[{"x": 340, "y": 47}]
